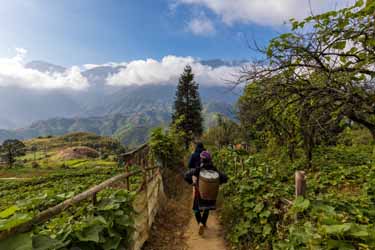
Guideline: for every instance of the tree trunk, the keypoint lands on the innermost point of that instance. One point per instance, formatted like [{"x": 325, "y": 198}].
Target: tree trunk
[
  {"x": 370, "y": 126},
  {"x": 292, "y": 151},
  {"x": 308, "y": 142}
]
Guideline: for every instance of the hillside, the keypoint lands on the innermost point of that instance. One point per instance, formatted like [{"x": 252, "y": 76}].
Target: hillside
[
  {"x": 126, "y": 112},
  {"x": 131, "y": 129},
  {"x": 19, "y": 107}
]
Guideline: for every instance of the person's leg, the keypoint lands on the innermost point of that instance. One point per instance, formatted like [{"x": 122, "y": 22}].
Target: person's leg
[
  {"x": 198, "y": 216},
  {"x": 205, "y": 217}
]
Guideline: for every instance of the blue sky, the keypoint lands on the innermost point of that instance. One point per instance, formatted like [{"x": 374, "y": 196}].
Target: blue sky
[{"x": 76, "y": 32}]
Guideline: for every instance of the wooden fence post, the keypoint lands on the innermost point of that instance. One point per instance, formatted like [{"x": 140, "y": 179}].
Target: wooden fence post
[
  {"x": 127, "y": 180},
  {"x": 300, "y": 183},
  {"x": 145, "y": 179},
  {"x": 300, "y": 186}
]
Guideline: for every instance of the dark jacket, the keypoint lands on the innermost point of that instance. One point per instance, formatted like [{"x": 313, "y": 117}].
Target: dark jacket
[{"x": 195, "y": 159}]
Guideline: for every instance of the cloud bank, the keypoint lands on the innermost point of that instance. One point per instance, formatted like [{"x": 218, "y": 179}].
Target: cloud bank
[
  {"x": 264, "y": 12},
  {"x": 168, "y": 70},
  {"x": 14, "y": 73}
]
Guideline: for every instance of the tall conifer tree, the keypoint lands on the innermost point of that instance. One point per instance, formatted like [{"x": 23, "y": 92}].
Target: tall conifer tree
[{"x": 187, "y": 114}]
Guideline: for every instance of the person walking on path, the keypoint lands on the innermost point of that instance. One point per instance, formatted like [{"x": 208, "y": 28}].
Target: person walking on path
[
  {"x": 195, "y": 159},
  {"x": 202, "y": 207}
]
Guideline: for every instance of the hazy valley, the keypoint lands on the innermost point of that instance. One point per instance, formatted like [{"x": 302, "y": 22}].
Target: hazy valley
[{"x": 125, "y": 112}]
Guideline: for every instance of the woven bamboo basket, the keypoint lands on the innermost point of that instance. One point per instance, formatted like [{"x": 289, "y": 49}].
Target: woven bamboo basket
[{"x": 209, "y": 182}]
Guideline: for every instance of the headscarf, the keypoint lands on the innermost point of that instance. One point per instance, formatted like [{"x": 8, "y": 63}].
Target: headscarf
[{"x": 205, "y": 155}]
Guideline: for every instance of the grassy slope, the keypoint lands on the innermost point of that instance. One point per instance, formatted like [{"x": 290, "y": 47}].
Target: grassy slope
[{"x": 46, "y": 155}]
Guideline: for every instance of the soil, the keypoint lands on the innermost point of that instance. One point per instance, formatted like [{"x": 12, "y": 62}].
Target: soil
[
  {"x": 175, "y": 228},
  {"x": 77, "y": 153},
  {"x": 212, "y": 238}
]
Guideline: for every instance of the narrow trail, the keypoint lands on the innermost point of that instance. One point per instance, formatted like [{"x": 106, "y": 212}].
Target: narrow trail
[
  {"x": 175, "y": 227},
  {"x": 212, "y": 239}
]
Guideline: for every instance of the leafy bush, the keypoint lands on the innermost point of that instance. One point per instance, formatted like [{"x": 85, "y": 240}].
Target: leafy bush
[
  {"x": 337, "y": 213},
  {"x": 35, "y": 164},
  {"x": 166, "y": 147}
]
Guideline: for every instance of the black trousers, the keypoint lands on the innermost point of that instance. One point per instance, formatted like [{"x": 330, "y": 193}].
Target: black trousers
[{"x": 202, "y": 218}]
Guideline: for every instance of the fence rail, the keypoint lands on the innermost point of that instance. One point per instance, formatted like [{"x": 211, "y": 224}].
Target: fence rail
[{"x": 138, "y": 156}]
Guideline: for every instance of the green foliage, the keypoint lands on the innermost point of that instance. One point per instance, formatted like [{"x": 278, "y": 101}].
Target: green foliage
[
  {"x": 12, "y": 149},
  {"x": 167, "y": 147},
  {"x": 187, "y": 107},
  {"x": 226, "y": 132},
  {"x": 106, "y": 225},
  {"x": 353, "y": 136},
  {"x": 35, "y": 194},
  {"x": 337, "y": 213},
  {"x": 314, "y": 81}
]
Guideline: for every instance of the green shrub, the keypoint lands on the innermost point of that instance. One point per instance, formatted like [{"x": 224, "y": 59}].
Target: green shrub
[{"x": 338, "y": 212}]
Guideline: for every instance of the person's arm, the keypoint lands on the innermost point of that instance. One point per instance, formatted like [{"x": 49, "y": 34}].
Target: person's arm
[
  {"x": 195, "y": 176},
  {"x": 195, "y": 180},
  {"x": 188, "y": 176},
  {"x": 191, "y": 162}
]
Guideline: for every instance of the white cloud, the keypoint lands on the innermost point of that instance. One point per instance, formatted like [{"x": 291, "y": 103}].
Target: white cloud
[
  {"x": 14, "y": 73},
  {"x": 109, "y": 64},
  {"x": 89, "y": 66},
  {"x": 201, "y": 26},
  {"x": 168, "y": 70},
  {"x": 265, "y": 12}
]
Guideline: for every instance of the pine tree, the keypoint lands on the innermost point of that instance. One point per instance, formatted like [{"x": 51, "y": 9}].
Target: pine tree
[{"x": 187, "y": 114}]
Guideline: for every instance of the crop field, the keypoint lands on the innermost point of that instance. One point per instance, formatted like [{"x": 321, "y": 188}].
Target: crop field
[{"x": 48, "y": 175}]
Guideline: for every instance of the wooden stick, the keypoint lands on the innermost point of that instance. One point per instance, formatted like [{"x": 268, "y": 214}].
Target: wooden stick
[
  {"x": 135, "y": 150},
  {"x": 127, "y": 179}
]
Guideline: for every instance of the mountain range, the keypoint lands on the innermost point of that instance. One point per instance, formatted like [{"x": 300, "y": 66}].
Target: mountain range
[{"x": 126, "y": 112}]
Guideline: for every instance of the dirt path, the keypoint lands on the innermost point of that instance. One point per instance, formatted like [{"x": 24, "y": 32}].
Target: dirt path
[
  {"x": 175, "y": 228},
  {"x": 212, "y": 239}
]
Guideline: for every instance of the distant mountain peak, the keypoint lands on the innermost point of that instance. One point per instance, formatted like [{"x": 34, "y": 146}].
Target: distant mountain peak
[{"x": 45, "y": 67}]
